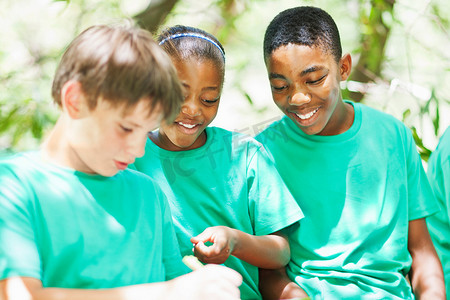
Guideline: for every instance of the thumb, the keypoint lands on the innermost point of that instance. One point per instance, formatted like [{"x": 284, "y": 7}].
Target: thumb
[{"x": 205, "y": 236}]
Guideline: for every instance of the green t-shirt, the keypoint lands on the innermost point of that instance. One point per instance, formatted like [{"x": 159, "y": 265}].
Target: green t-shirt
[
  {"x": 229, "y": 181},
  {"x": 439, "y": 224},
  {"x": 358, "y": 191},
  {"x": 75, "y": 230}
]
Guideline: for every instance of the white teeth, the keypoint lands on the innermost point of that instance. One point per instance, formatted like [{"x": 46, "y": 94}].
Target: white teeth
[
  {"x": 308, "y": 115},
  {"x": 190, "y": 126}
]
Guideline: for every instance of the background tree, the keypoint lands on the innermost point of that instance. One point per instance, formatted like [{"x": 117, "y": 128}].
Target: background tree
[
  {"x": 399, "y": 48},
  {"x": 373, "y": 37}
]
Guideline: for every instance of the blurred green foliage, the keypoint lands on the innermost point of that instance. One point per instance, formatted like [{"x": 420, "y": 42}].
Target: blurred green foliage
[{"x": 399, "y": 48}]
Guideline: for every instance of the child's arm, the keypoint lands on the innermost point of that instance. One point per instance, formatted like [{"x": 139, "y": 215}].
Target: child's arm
[
  {"x": 210, "y": 282},
  {"x": 426, "y": 273},
  {"x": 267, "y": 251},
  {"x": 275, "y": 285}
]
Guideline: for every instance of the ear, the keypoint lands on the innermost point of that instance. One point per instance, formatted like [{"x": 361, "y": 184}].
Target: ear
[
  {"x": 73, "y": 101},
  {"x": 345, "y": 66}
]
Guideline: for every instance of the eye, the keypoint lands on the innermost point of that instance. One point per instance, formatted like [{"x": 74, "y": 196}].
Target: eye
[
  {"x": 278, "y": 88},
  {"x": 126, "y": 129},
  {"x": 313, "y": 82},
  {"x": 210, "y": 101},
  {"x": 278, "y": 85}
]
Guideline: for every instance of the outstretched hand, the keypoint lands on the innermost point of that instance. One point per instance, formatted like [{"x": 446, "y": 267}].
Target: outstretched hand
[
  {"x": 223, "y": 241},
  {"x": 208, "y": 282}
]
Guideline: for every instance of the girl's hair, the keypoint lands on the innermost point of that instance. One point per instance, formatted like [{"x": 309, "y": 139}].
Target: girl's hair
[
  {"x": 122, "y": 64},
  {"x": 304, "y": 25},
  {"x": 184, "y": 42}
]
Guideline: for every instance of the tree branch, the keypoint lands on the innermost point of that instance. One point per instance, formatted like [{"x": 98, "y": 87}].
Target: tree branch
[{"x": 155, "y": 14}]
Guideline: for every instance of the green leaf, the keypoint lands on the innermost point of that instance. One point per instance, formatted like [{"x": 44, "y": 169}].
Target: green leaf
[
  {"x": 423, "y": 151},
  {"x": 406, "y": 114},
  {"x": 249, "y": 99}
]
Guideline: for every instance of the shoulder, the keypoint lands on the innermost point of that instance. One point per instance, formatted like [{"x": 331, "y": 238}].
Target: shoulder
[
  {"x": 277, "y": 124},
  {"x": 382, "y": 122},
  {"x": 374, "y": 115},
  {"x": 136, "y": 178},
  {"x": 239, "y": 141},
  {"x": 442, "y": 152},
  {"x": 444, "y": 141},
  {"x": 19, "y": 164},
  {"x": 280, "y": 132},
  {"x": 18, "y": 176}
]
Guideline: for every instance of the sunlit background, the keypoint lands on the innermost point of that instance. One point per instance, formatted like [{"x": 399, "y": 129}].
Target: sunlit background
[{"x": 412, "y": 81}]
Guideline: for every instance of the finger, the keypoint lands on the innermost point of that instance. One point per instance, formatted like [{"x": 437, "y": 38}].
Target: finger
[
  {"x": 210, "y": 251},
  {"x": 205, "y": 236},
  {"x": 227, "y": 274},
  {"x": 217, "y": 260},
  {"x": 201, "y": 249}
]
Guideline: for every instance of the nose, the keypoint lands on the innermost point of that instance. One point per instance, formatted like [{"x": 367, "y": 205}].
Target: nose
[
  {"x": 190, "y": 108},
  {"x": 300, "y": 98},
  {"x": 136, "y": 146}
]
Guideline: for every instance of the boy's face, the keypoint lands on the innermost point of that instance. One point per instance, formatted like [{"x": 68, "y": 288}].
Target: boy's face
[
  {"x": 202, "y": 85},
  {"x": 305, "y": 83},
  {"x": 108, "y": 139}
]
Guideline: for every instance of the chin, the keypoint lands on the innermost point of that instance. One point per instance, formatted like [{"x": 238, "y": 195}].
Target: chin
[
  {"x": 108, "y": 173},
  {"x": 310, "y": 130}
]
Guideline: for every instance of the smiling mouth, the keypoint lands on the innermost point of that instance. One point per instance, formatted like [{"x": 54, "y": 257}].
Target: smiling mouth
[
  {"x": 188, "y": 126},
  {"x": 308, "y": 115}
]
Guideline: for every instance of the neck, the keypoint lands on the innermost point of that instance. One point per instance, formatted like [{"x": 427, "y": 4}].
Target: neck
[
  {"x": 56, "y": 148},
  {"x": 347, "y": 116},
  {"x": 342, "y": 119}
]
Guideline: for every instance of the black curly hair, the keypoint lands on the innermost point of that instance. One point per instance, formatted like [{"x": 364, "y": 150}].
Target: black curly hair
[{"x": 303, "y": 25}]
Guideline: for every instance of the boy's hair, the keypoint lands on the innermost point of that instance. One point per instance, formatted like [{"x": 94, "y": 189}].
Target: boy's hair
[
  {"x": 183, "y": 42},
  {"x": 304, "y": 25},
  {"x": 122, "y": 64}
]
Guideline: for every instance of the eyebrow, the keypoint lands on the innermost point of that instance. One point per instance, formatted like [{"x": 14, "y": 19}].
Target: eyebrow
[
  {"x": 308, "y": 70},
  {"x": 311, "y": 70},
  {"x": 276, "y": 76},
  {"x": 208, "y": 88}
]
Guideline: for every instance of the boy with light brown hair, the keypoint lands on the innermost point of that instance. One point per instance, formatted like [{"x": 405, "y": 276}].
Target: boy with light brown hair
[{"x": 75, "y": 222}]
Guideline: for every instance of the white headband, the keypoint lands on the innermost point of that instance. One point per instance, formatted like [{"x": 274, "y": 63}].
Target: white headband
[{"x": 190, "y": 34}]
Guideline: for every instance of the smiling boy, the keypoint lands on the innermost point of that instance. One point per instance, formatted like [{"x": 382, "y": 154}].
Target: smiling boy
[
  {"x": 354, "y": 171},
  {"x": 75, "y": 223}
]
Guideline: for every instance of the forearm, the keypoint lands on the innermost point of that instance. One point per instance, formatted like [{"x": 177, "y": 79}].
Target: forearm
[
  {"x": 125, "y": 293},
  {"x": 31, "y": 289},
  {"x": 427, "y": 278},
  {"x": 275, "y": 285},
  {"x": 267, "y": 251}
]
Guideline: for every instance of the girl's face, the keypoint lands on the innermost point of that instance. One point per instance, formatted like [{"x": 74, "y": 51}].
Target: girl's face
[{"x": 202, "y": 83}]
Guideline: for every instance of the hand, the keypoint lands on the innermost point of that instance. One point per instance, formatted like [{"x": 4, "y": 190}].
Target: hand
[
  {"x": 209, "y": 282},
  {"x": 223, "y": 239}
]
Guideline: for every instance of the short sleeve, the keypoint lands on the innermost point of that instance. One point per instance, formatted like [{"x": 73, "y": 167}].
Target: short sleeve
[
  {"x": 439, "y": 177},
  {"x": 171, "y": 251},
  {"x": 19, "y": 255},
  {"x": 421, "y": 201},
  {"x": 272, "y": 207}
]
